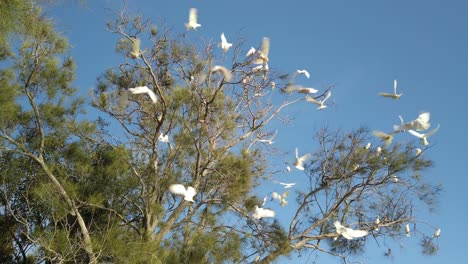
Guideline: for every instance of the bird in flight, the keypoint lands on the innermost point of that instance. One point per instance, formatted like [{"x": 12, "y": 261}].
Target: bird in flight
[
  {"x": 281, "y": 198},
  {"x": 135, "y": 53},
  {"x": 424, "y": 137},
  {"x": 293, "y": 88},
  {"x": 142, "y": 90},
  {"x": 260, "y": 213},
  {"x": 263, "y": 52},
  {"x": 270, "y": 140},
  {"x": 349, "y": 233},
  {"x": 226, "y": 73},
  {"x": 286, "y": 185},
  {"x": 419, "y": 124},
  {"x": 179, "y": 189},
  {"x": 394, "y": 95},
  {"x": 192, "y": 23},
  {"x": 386, "y": 138},
  {"x": 321, "y": 103},
  {"x": 299, "y": 163},
  {"x": 305, "y": 72},
  {"x": 224, "y": 44}
]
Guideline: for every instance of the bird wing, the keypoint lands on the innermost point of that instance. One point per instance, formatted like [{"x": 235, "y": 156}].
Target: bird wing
[
  {"x": 424, "y": 117},
  {"x": 381, "y": 134},
  {"x": 190, "y": 191},
  {"x": 430, "y": 133},
  {"x": 327, "y": 96},
  {"x": 177, "y": 189},
  {"x": 267, "y": 213},
  {"x": 275, "y": 195},
  {"x": 152, "y": 95},
  {"x": 312, "y": 100},
  {"x": 357, "y": 233},
  {"x": 265, "y": 49},
  {"x": 139, "y": 90},
  {"x": 136, "y": 46},
  {"x": 416, "y": 134},
  {"x": 347, "y": 235},
  {"x": 304, "y": 157},
  {"x": 250, "y": 52},
  {"x": 307, "y": 90},
  {"x": 394, "y": 86},
  {"x": 387, "y": 95},
  {"x": 193, "y": 16},
  {"x": 223, "y": 39}
]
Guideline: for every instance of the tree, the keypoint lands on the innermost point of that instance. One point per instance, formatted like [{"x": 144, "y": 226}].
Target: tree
[{"x": 76, "y": 191}]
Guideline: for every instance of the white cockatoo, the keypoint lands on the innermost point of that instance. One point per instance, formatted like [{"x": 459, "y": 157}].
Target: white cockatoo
[
  {"x": 394, "y": 95},
  {"x": 386, "y": 138},
  {"x": 299, "y": 163},
  {"x": 260, "y": 213},
  {"x": 288, "y": 169},
  {"x": 368, "y": 145},
  {"x": 408, "y": 230},
  {"x": 347, "y": 232},
  {"x": 424, "y": 137},
  {"x": 377, "y": 223},
  {"x": 395, "y": 179},
  {"x": 163, "y": 138},
  {"x": 224, "y": 44},
  {"x": 286, "y": 185},
  {"x": 321, "y": 103},
  {"x": 418, "y": 151},
  {"x": 298, "y": 88},
  {"x": 419, "y": 124},
  {"x": 226, "y": 73},
  {"x": 281, "y": 198},
  {"x": 135, "y": 53},
  {"x": 263, "y": 52},
  {"x": 305, "y": 72},
  {"x": 142, "y": 90},
  {"x": 272, "y": 85},
  {"x": 270, "y": 140},
  {"x": 378, "y": 151},
  {"x": 192, "y": 23},
  {"x": 251, "y": 52},
  {"x": 437, "y": 233},
  {"x": 180, "y": 189}
]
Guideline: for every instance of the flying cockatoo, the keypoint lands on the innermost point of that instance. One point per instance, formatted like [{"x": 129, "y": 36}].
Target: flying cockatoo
[
  {"x": 142, "y": 90},
  {"x": 270, "y": 140},
  {"x": 179, "y": 189},
  {"x": 305, "y": 72},
  {"x": 419, "y": 124},
  {"x": 424, "y": 137},
  {"x": 250, "y": 52},
  {"x": 377, "y": 223},
  {"x": 386, "y": 138},
  {"x": 347, "y": 232},
  {"x": 321, "y": 103},
  {"x": 226, "y": 73},
  {"x": 408, "y": 230},
  {"x": 299, "y": 163},
  {"x": 224, "y": 44},
  {"x": 192, "y": 23},
  {"x": 135, "y": 53},
  {"x": 260, "y": 213},
  {"x": 281, "y": 198},
  {"x": 286, "y": 185},
  {"x": 263, "y": 52},
  {"x": 394, "y": 95},
  {"x": 298, "y": 88},
  {"x": 437, "y": 233}
]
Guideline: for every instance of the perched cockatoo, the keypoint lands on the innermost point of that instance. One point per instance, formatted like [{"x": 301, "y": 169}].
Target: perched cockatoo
[
  {"x": 368, "y": 145},
  {"x": 419, "y": 124},
  {"x": 298, "y": 88},
  {"x": 250, "y": 52},
  {"x": 347, "y": 232},
  {"x": 192, "y": 23},
  {"x": 288, "y": 169},
  {"x": 377, "y": 223},
  {"x": 321, "y": 103},
  {"x": 378, "y": 151},
  {"x": 424, "y": 137},
  {"x": 260, "y": 213},
  {"x": 394, "y": 95},
  {"x": 395, "y": 179},
  {"x": 281, "y": 198},
  {"x": 299, "y": 163},
  {"x": 142, "y": 90},
  {"x": 226, "y": 73},
  {"x": 224, "y": 44},
  {"x": 437, "y": 233},
  {"x": 305, "y": 72},
  {"x": 408, "y": 230},
  {"x": 418, "y": 151},
  {"x": 179, "y": 189},
  {"x": 263, "y": 52},
  {"x": 386, "y": 138},
  {"x": 135, "y": 53},
  {"x": 163, "y": 138}
]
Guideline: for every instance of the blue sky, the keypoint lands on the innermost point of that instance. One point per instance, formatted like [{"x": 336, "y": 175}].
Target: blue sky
[{"x": 360, "y": 46}]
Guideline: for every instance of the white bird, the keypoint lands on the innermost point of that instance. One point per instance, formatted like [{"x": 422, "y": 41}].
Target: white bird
[
  {"x": 299, "y": 163},
  {"x": 260, "y": 213},
  {"x": 418, "y": 151},
  {"x": 305, "y": 72},
  {"x": 273, "y": 85},
  {"x": 407, "y": 228},
  {"x": 270, "y": 140},
  {"x": 349, "y": 233},
  {"x": 163, "y": 138},
  {"x": 257, "y": 68},
  {"x": 250, "y": 52},
  {"x": 142, "y": 90},
  {"x": 226, "y": 73},
  {"x": 321, "y": 103},
  {"x": 224, "y": 44},
  {"x": 376, "y": 223},
  {"x": 288, "y": 169},
  {"x": 419, "y": 124},
  {"x": 386, "y": 138},
  {"x": 298, "y": 88},
  {"x": 179, "y": 189},
  {"x": 281, "y": 198},
  {"x": 367, "y": 146},
  {"x": 263, "y": 52},
  {"x": 437, "y": 233},
  {"x": 264, "y": 200},
  {"x": 424, "y": 137},
  {"x": 135, "y": 53},
  {"x": 394, "y": 95},
  {"x": 378, "y": 151},
  {"x": 395, "y": 179},
  {"x": 286, "y": 185},
  {"x": 192, "y": 23}
]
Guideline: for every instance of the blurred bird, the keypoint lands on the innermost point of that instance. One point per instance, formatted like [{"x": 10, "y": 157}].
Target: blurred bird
[
  {"x": 135, "y": 53},
  {"x": 305, "y": 72},
  {"x": 394, "y": 95},
  {"x": 226, "y": 73},
  {"x": 299, "y": 163},
  {"x": 179, "y": 189},
  {"x": 377, "y": 223},
  {"x": 386, "y": 138},
  {"x": 142, "y": 90},
  {"x": 281, "y": 198},
  {"x": 407, "y": 229},
  {"x": 395, "y": 179},
  {"x": 367, "y": 146},
  {"x": 298, "y": 88},
  {"x": 163, "y": 138},
  {"x": 288, "y": 169},
  {"x": 419, "y": 124},
  {"x": 263, "y": 52},
  {"x": 349, "y": 233},
  {"x": 224, "y": 44},
  {"x": 378, "y": 151},
  {"x": 269, "y": 141},
  {"x": 437, "y": 233},
  {"x": 424, "y": 137},
  {"x": 321, "y": 103},
  {"x": 250, "y": 52},
  {"x": 286, "y": 185},
  {"x": 192, "y": 23},
  {"x": 273, "y": 85},
  {"x": 260, "y": 213},
  {"x": 418, "y": 151}
]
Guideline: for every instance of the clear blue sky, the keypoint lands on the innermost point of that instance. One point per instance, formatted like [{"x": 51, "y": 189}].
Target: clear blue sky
[{"x": 361, "y": 46}]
